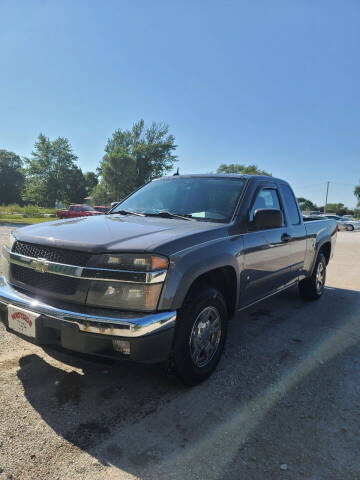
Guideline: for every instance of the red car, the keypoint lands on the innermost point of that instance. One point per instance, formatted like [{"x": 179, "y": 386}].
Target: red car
[
  {"x": 78, "y": 211},
  {"x": 101, "y": 208}
]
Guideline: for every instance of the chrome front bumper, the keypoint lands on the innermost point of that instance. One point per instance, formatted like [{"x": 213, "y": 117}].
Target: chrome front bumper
[{"x": 133, "y": 325}]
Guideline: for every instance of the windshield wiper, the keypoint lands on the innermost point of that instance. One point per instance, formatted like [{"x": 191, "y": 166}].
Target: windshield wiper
[
  {"x": 166, "y": 214},
  {"x": 127, "y": 212}
]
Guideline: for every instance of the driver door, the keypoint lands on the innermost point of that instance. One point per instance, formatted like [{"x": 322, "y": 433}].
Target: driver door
[{"x": 268, "y": 253}]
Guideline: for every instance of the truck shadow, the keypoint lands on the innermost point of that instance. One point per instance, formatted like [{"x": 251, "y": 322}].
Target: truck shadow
[{"x": 137, "y": 419}]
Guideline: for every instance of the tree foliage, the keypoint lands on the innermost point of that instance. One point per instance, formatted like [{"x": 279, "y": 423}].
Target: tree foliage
[
  {"x": 306, "y": 205},
  {"x": 118, "y": 176},
  {"x": 134, "y": 157},
  {"x": 11, "y": 177},
  {"x": 52, "y": 174},
  {"x": 242, "y": 169},
  {"x": 91, "y": 180},
  {"x": 338, "y": 209},
  {"x": 357, "y": 194}
]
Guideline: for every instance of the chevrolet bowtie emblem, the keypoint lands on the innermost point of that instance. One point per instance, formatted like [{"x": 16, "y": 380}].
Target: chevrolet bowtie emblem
[{"x": 40, "y": 265}]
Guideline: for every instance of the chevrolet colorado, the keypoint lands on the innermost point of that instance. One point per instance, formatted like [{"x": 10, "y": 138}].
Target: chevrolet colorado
[{"x": 159, "y": 276}]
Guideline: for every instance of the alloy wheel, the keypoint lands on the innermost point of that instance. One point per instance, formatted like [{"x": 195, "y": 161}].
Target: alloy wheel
[{"x": 205, "y": 336}]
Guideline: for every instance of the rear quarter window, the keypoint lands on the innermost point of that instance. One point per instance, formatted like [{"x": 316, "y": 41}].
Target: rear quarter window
[{"x": 290, "y": 204}]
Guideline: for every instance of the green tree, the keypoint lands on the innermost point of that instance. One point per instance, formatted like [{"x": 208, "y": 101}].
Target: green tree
[
  {"x": 306, "y": 204},
  {"x": 11, "y": 177},
  {"x": 91, "y": 180},
  {"x": 52, "y": 173},
  {"x": 75, "y": 186},
  {"x": 337, "y": 208},
  {"x": 134, "y": 157},
  {"x": 101, "y": 195},
  {"x": 357, "y": 194},
  {"x": 242, "y": 169},
  {"x": 118, "y": 176}
]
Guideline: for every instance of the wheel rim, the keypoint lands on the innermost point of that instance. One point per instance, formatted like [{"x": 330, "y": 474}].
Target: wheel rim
[
  {"x": 205, "y": 336},
  {"x": 320, "y": 277}
]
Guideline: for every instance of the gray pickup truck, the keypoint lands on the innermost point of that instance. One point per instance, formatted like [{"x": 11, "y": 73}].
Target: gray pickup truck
[{"x": 158, "y": 277}]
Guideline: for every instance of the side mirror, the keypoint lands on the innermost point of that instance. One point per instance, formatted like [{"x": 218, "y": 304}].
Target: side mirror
[{"x": 267, "y": 218}]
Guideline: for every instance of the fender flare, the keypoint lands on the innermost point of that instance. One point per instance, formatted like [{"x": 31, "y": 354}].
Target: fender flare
[{"x": 317, "y": 251}]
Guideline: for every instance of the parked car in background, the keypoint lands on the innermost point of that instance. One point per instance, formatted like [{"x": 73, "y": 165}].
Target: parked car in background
[
  {"x": 344, "y": 223},
  {"x": 101, "y": 209},
  {"x": 78, "y": 211},
  {"x": 158, "y": 278}
]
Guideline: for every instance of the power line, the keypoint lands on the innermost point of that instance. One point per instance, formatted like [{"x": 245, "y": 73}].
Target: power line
[
  {"x": 346, "y": 184},
  {"x": 325, "y": 183},
  {"x": 312, "y": 185}
]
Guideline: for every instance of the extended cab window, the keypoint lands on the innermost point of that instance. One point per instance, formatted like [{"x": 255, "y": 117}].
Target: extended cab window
[
  {"x": 290, "y": 202},
  {"x": 265, "y": 198}
]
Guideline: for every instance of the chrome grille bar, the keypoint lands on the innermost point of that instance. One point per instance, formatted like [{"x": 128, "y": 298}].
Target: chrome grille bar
[{"x": 85, "y": 273}]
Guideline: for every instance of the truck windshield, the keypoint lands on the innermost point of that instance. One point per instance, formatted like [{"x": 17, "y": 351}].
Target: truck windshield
[{"x": 200, "y": 198}]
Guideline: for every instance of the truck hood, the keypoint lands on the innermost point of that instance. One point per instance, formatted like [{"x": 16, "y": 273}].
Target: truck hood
[{"x": 111, "y": 233}]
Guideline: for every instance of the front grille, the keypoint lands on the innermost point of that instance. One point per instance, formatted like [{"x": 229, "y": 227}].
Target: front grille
[
  {"x": 53, "y": 254},
  {"x": 44, "y": 281},
  {"x": 47, "y": 282}
]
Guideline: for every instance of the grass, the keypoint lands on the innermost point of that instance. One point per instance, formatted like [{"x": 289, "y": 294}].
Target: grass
[
  {"x": 28, "y": 214},
  {"x": 24, "y": 220},
  {"x": 30, "y": 211}
]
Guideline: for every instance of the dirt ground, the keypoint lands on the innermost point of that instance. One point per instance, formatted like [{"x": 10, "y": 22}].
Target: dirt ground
[{"x": 284, "y": 402}]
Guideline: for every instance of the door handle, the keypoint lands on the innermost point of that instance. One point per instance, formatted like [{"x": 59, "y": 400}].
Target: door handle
[{"x": 285, "y": 237}]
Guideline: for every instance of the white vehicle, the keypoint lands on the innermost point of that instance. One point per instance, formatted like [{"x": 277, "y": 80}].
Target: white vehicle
[{"x": 344, "y": 223}]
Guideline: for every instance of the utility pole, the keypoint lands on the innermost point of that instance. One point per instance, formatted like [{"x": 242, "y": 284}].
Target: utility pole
[{"x": 327, "y": 193}]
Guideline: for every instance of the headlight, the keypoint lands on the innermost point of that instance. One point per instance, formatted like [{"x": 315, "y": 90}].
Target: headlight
[
  {"x": 135, "y": 262},
  {"x": 128, "y": 295},
  {"x": 9, "y": 242},
  {"x": 124, "y": 296}
]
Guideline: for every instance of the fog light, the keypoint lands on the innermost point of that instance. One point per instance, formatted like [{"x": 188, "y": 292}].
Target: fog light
[{"x": 121, "y": 346}]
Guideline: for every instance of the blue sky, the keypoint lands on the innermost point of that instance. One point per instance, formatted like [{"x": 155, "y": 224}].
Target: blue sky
[{"x": 276, "y": 83}]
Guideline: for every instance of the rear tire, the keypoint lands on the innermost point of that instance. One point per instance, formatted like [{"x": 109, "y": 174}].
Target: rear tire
[
  {"x": 313, "y": 287},
  {"x": 350, "y": 228},
  {"x": 200, "y": 335}
]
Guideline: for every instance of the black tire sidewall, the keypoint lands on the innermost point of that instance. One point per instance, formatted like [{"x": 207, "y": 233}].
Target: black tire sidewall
[{"x": 189, "y": 373}]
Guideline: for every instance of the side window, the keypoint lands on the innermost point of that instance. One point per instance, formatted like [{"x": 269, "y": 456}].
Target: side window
[
  {"x": 71, "y": 209},
  {"x": 290, "y": 202},
  {"x": 265, "y": 198},
  {"x": 78, "y": 209}
]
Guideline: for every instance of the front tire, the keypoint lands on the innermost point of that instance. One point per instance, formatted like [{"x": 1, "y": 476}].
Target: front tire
[
  {"x": 313, "y": 287},
  {"x": 200, "y": 335},
  {"x": 350, "y": 228}
]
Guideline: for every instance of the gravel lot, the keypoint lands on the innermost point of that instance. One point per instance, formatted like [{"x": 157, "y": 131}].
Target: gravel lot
[{"x": 283, "y": 404}]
